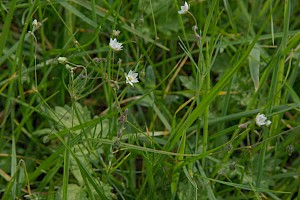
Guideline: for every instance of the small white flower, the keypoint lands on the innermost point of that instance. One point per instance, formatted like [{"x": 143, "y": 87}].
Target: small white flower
[
  {"x": 131, "y": 77},
  {"x": 116, "y": 33},
  {"x": 115, "y": 45},
  {"x": 261, "y": 120},
  {"x": 184, "y": 9},
  {"x": 62, "y": 60},
  {"x": 35, "y": 23}
]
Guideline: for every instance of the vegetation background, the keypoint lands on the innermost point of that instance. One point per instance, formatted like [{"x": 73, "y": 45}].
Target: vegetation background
[{"x": 71, "y": 128}]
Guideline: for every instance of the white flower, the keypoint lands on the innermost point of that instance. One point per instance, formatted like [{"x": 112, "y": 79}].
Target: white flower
[
  {"x": 268, "y": 122},
  {"x": 62, "y": 60},
  {"x": 131, "y": 77},
  {"x": 184, "y": 9},
  {"x": 35, "y": 23},
  {"x": 116, "y": 33},
  {"x": 115, "y": 45},
  {"x": 261, "y": 120}
]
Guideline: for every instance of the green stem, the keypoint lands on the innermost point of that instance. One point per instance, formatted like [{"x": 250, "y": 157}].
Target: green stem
[{"x": 206, "y": 111}]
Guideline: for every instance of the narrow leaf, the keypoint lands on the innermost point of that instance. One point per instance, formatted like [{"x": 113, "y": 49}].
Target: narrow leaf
[{"x": 254, "y": 60}]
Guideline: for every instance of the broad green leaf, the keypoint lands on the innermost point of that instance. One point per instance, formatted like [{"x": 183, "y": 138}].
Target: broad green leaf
[
  {"x": 188, "y": 82},
  {"x": 75, "y": 192},
  {"x": 67, "y": 118},
  {"x": 254, "y": 63},
  {"x": 150, "y": 77}
]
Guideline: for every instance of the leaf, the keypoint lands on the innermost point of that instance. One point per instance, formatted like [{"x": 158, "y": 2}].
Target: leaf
[
  {"x": 80, "y": 152},
  {"x": 74, "y": 193},
  {"x": 150, "y": 77},
  {"x": 188, "y": 82},
  {"x": 41, "y": 132},
  {"x": 176, "y": 171},
  {"x": 101, "y": 129},
  {"x": 79, "y": 14},
  {"x": 67, "y": 118},
  {"x": 254, "y": 62},
  {"x": 186, "y": 192},
  {"x": 107, "y": 191},
  {"x": 5, "y": 30}
]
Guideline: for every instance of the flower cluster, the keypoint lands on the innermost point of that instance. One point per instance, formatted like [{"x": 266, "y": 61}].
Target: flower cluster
[
  {"x": 261, "y": 120},
  {"x": 131, "y": 77}
]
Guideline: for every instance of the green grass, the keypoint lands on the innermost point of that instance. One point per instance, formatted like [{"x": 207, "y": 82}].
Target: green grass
[{"x": 74, "y": 128}]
